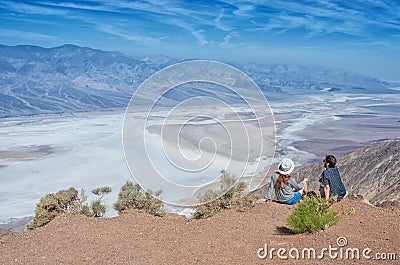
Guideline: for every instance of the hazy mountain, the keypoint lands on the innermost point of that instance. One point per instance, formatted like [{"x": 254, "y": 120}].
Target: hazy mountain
[
  {"x": 373, "y": 172},
  {"x": 301, "y": 80},
  {"x": 70, "y": 78},
  {"x": 67, "y": 78}
]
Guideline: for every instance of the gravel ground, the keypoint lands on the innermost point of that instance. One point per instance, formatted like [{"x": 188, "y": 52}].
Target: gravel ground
[{"x": 230, "y": 237}]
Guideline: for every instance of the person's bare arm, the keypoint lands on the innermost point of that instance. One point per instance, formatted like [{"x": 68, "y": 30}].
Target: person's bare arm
[{"x": 327, "y": 190}]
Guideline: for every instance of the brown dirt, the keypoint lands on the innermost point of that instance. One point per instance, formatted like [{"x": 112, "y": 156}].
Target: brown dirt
[{"x": 230, "y": 237}]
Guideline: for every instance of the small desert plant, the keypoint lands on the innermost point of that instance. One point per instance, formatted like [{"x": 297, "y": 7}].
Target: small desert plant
[
  {"x": 97, "y": 208},
  {"x": 313, "y": 214},
  {"x": 229, "y": 195},
  {"x": 132, "y": 196},
  {"x": 349, "y": 212},
  {"x": 53, "y": 204}
]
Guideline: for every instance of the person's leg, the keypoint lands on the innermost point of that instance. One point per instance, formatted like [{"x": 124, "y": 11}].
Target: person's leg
[
  {"x": 296, "y": 198},
  {"x": 304, "y": 191}
]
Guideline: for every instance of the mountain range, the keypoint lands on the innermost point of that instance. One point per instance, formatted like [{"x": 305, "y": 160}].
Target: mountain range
[{"x": 69, "y": 78}]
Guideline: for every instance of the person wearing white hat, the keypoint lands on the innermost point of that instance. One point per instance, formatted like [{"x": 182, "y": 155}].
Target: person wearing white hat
[{"x": 287, "y": 190}]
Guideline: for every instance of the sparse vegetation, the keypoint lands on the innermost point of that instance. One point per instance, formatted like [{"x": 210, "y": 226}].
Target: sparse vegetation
[
  {"x": 66, "y": 202},
  {"x": 132, "y": 196},
  {"x": 96, "y": 208},
  {"x": 349, "y": 212},
  {"x": 313, "y": 214},
  {"x": 229, "y": 195},
  {"x": 53, "y": 204}
]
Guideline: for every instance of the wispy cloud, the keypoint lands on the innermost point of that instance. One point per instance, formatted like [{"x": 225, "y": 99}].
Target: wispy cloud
[
  {"x": 228, "y": 38},
  {"x": 139, "y": 38},
  {"x": 196, "y": 33},
  {"x": 163, "y": 12},
  {"x": 76, "y": 5},
  {"x": 218, "y": 23},
  {"x": 171, "y": 8},
  {"x": 364, "y": 19},
  {"x": 242, "y": 8},
  {"x": 369, "y": 44},
  {"x": 27, "y": 35},
  {"x": 160, "y": 7},
  {"x": 31, "y": 21},
  {"x": 18, "y": 7}
]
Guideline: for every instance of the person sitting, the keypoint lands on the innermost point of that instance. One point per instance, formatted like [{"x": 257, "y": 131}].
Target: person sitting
[
  {"x": 331, "y": 182},
  {"x": 287, "y": 190}
]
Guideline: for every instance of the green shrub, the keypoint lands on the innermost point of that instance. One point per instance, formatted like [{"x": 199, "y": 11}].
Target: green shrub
[
  {"x": 97, "y": 208},
  {"x": 65, "y": 202},
  {"x": 132, "y": 196},
  {"x": 229, "y": 195},
  {"x": 101, "y": 192},
  {"x": 53, "y": 204},
  {"x": 313, "y": 214},
  {"x": 349, "y": 212},
  {"x": 85, "y": 210}
]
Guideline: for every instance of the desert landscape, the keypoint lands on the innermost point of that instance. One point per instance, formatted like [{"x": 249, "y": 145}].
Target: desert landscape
[
  {"x": 125, "y": 125},
  {"x": 44, "y": 154}
]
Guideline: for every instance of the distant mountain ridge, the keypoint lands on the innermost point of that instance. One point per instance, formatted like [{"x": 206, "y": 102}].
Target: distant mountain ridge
[
  {"x": 69, "y": 78},
  {"x": 373, "y": 172}
]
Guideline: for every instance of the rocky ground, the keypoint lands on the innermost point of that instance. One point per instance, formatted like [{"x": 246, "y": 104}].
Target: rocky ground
[{"x": 230, "y": 237}]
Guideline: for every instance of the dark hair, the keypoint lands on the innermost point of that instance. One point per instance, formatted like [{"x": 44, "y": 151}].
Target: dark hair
[
  {"x": 331, "y": 160},
  {"x": 282, "y": 178}
]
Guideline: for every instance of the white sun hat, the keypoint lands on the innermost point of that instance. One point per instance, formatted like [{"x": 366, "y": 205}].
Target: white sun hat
[{"x": 286, "y": 166}]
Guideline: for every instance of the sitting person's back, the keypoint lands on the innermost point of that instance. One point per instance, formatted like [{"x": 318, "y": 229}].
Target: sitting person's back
[{"x": 331, "y": 182}]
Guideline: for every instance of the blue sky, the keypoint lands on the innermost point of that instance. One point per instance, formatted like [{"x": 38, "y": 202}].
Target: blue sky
[{"x": 361, "y": 36}]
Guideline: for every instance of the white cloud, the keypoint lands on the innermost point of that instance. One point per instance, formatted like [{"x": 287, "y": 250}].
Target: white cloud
[
  {"x": 27, "y": 35},
  {"x": 218, "y": 23},
  {"x": 243, "y": 10},
  {"x": 228, "y": 38},
  {"x": 200, "y": 37},
  {"x": 323, "y": 17},
  {"x": 135, "y": 38},
  {"x": 73, "y": 5},
  {"x": 196, "y": 33},
  {"x": 31, "y": 9}
]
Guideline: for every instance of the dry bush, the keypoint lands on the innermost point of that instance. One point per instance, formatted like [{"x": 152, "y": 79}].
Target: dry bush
[
  {"x": 132, "y": 196},
  {"x": 229, "y": 195}
]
